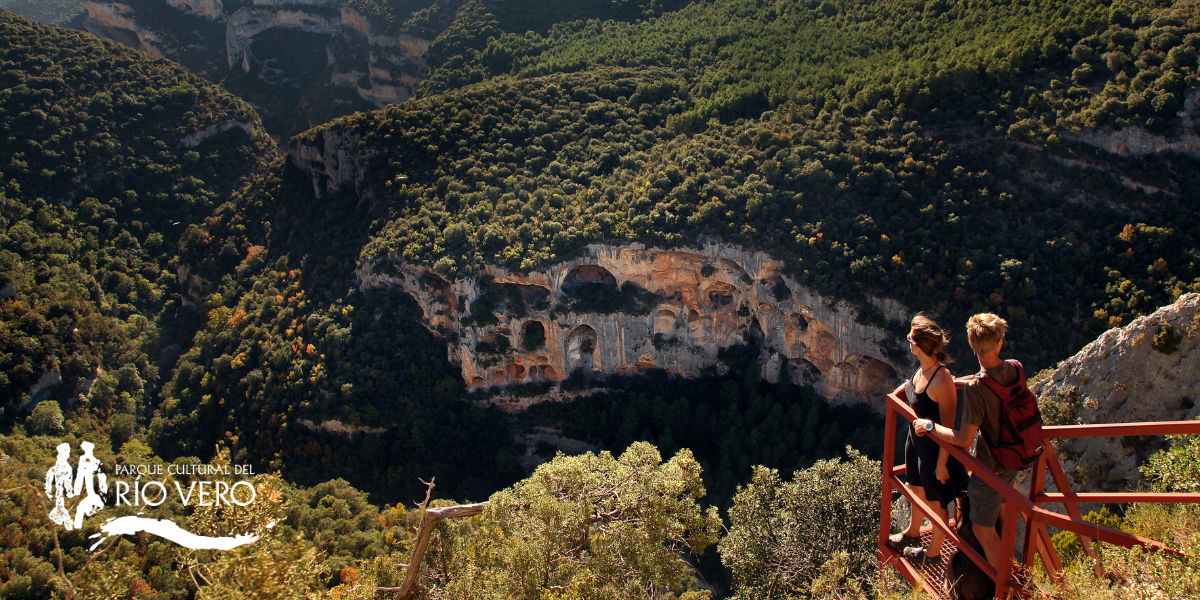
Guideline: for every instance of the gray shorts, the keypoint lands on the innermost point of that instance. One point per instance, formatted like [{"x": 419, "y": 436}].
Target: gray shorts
[{"x": 985, "y": 501}]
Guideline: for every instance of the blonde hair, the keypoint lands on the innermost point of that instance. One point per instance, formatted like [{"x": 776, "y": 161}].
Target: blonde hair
[
  {"x": 984, "y": 332},
  {"x": 930, "y": 338}
]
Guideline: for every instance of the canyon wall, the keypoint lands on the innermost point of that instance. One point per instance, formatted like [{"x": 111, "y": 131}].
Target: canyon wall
[
  {"x": 322, "y": 60},
  {"x": 393, "y": 65},
  {"x": 210, "y": 9},
  {"x": 115, "y": 21},
  {"x": 673, "y": 310}
]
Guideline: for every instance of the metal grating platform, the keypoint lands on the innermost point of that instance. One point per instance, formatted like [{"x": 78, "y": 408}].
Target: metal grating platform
[{"x": 935, "y": 574}]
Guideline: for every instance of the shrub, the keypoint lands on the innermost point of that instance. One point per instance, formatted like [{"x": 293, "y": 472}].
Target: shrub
[
  {"x": 46, "y": 419},
  {"x": 783, "y": 533}
]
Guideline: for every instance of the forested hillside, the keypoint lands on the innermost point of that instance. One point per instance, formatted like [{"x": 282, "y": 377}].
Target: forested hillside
[
  {"x": 107, "y": 157},
  {"x": 952, "y": 187},
  {"x": 901, "y": 194},
  {"x": 297, "y": 365},
  {"x": 173, "y": 286}
]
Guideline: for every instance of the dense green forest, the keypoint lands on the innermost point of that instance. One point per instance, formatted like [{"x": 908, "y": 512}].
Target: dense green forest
[
  {"x": 729, "y": 423},
  {"x": 106, "y": 205},
  {"x": 174, "y": 288},
  {"x": 952, "y": 195},
  {"x": 102, "y": 170},
  {"x": 55, "y": 12}
]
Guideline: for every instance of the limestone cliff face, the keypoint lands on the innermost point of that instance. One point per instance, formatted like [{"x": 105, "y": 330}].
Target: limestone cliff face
[
  {"x": 333, "y": 161},
  {"x": 1137, "y": 141},
  {"x": 331, "y": 61},
  {"x": 1123, "y": 377},
  {"x": 195, "y": 139},
  {"x": 116, "y": 22},
  {"x": 394, "y": 64},
  {"x": 209, "y": 9},
  {"x": 692, "y": 304}
]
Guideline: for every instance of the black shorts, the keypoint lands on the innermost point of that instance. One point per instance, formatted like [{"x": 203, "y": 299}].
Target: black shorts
[{"x": 920, "y": 461}]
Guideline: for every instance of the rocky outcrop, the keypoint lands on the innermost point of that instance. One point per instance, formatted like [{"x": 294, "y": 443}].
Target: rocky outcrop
[
  {"x": 209, "y": 9},
  {"x": 675, "y": 310},
  {"x": 332, "y": 160},
  {"x": 246, "y": 23},
  {"x": 1146, "y": 371},
  {"x": 1136, "y": 141},
  {"x": 116, "y": 22},
  {"x": 192, "y": 288},
  {"x": 197, "y": 138},
  {"x": 337, "y": 427},
  {"x": 41, "y": 390}
]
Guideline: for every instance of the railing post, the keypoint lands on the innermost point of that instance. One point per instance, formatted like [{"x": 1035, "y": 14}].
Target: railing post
[
  {"x": 1008, "y": 543},
  {"x": 1064, "y": 486},
  {"x": 1037, "y": 538},
  {"x": 889, "y": 458},
  {"x": 1036, "y": 486}
]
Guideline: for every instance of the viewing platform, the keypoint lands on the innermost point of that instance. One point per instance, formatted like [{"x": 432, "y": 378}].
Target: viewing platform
[{"x": 1029, "y": 507}]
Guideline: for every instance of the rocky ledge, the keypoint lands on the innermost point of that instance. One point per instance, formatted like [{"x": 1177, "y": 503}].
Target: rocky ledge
[{"x": 1146, "y": 371}]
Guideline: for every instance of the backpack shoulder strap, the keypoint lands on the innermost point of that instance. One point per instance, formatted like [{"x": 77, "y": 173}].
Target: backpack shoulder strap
[
  {"x": 994, "y": 385},
  {"x": 1020, "y": 371},
  {"x": 1002, "y": 390}
]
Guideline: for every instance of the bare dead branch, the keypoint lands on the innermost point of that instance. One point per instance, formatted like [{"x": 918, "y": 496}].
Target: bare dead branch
[{"x": 429, "y": 518}]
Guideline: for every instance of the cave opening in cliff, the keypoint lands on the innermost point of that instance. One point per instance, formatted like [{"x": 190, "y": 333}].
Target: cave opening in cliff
[
  {"x": 585, "y": 274},
  {"x": 801, "y": 322},
  {"x": 802, "y": 371},
  {"x": 754, "y": 334},
  {"x": 494, "y": 343},
  {"x": 296, "y": 57},
  {"x": 863, "y": 378},
  {"x": 664, "y": 322},
  {"x": 581, "y": 349},
  {"x": 592, "y": 289},
  {"x": 533, "y": 336},
  {"x": 720, "y": 294}
]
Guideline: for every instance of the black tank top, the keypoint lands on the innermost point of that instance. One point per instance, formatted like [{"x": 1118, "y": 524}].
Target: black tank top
[{"x": 922, "y": 404}]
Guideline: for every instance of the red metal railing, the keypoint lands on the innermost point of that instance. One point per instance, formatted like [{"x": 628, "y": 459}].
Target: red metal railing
[{"x": 1037, "y": 538}]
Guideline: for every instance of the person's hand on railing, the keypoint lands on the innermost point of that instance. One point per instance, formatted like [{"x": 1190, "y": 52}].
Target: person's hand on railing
[{"x": 920, "y": 425}]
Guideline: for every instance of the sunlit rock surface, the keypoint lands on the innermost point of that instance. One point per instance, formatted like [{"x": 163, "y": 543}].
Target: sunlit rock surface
[
  {"x": 1126, "y": 377},
  {"x": 691, "y": 304}
]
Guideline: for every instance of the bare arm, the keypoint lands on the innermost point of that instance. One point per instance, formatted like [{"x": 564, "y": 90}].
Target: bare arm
[
  {"x": 962, "y": 438},
  {"x": 947, "y": 399}
]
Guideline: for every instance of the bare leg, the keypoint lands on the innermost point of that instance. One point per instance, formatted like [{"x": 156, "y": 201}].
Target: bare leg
[
  {"x": 990, "y": 540},
  {"x": 935, "y": 546}
]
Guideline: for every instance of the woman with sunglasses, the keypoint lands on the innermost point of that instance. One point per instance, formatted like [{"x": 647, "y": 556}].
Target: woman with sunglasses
[{"x": 935, "y": 477}]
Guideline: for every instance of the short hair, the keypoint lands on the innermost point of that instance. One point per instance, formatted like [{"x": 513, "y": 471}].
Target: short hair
[{"x": 984, "y": 332}]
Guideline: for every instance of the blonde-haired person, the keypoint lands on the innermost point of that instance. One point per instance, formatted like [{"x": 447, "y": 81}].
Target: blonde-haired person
[
  {"x": 935, "y": 477},
  {"x": 982, "y": 411}
]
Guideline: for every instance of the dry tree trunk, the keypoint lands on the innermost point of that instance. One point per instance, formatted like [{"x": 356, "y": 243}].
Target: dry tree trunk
[{"x": 429, "y": 518}]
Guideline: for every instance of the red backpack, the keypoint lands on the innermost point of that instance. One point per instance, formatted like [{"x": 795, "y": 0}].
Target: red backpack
[{"x": 1020, "y": 442}]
